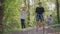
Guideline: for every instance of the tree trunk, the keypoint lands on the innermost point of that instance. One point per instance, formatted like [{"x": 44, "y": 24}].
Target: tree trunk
[
  {"x": 1, "y": 15},
  {"x": 57, "y": 5},
  {"x": 28, "y": 12},
  {"x": 59, "y": 9}
]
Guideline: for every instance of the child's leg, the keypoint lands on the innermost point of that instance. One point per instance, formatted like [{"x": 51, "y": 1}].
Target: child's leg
[
  {"x": 37, "y": 20},
  {"x": 41, "y": 20},
  {"x": 40, "y": 24},
  {"x": 23, "y": 23}
]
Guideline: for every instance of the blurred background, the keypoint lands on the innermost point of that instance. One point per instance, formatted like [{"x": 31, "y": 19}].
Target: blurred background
[{"x": 11, "y": 18}]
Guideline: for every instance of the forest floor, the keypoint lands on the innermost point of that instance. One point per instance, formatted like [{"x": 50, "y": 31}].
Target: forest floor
[{"x": 47, "y": 30}]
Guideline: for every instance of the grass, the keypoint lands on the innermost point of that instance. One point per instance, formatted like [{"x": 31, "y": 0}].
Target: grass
[
  {"x": 20, "y": 30},
  {"x": 56, "y": 27}
]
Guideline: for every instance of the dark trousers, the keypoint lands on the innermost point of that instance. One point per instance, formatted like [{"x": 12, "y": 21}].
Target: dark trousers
[{"x": 23, "y": 23}]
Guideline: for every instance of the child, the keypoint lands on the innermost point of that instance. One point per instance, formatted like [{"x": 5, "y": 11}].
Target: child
[
  {"x": 39, "y": 15},
  {"x": 23, "y": 16},
  {"x": 49, "y": 20}
]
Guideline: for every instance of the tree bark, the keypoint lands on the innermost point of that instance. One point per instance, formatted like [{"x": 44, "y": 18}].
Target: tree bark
[
  {"x": 28, "y": 12},
  {"x": 1, "y": 14},
  {"x": 57, "y": 5}
]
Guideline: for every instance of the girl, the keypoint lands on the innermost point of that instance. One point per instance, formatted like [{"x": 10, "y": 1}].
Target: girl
[{"x": 23, "y": 16}]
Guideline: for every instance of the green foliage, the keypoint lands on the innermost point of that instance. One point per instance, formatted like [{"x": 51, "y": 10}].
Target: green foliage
[
  {"x": 12, "y": 14},
  {"x": 11, "y": 17}
]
